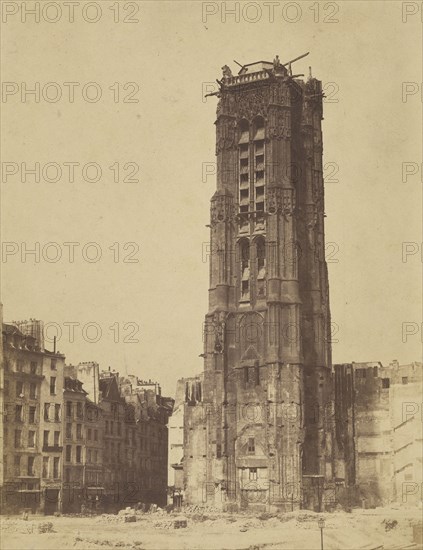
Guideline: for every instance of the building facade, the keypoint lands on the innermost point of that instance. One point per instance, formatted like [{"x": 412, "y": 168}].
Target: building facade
[
  {"x": 188, "y": 391},
  {"x": 32, "y": 447},
  {"x": 379, "y": 431},
  {"x": 82, "y": 449},
  {"x": 51, "y": 426},
  {"x": 114, "y": 456},
  {"x": 257, "y": 438},
  {"x": 406, "y": 412},
  {"x": 74, "y": 438},
  {"x": 147, "y": 435}
]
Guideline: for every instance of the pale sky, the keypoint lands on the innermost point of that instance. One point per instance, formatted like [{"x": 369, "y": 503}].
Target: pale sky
[{"x": 170, "y": 53}]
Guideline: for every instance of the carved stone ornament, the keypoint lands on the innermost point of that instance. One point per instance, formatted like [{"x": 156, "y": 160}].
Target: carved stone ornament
[
  {"x": 219, "y": 332},
  {"x": 281, "y": 201},
  {"x": 225, "y": 138},
  {"x": 280, "y": 125},
  {"x": 288, "y": 202},
  {"x": 311, "y": 216},
  {"x": 279, "y": 94},
  {"x": 226, "y": 104},
  {"x": 252, "y": 103},
  {"x": 307, "y": 115},
  {"x": 317, "y": 187},
  {"x": 222, "y": 209}
]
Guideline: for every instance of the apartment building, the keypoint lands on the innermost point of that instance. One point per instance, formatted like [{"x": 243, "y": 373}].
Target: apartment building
[
  {"x": 71, "y": 439},
  {"x": 32, "y": 447}
]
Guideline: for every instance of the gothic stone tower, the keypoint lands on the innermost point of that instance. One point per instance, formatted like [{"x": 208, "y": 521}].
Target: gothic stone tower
[{"x": 258, "y": 437}]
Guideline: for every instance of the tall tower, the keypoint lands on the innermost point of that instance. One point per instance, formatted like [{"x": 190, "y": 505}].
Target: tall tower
[{"x": 259, "y": 436}]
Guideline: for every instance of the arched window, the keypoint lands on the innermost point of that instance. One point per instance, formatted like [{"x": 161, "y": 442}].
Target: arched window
[
  {"x": 244, "y": 131},
  {"x": 244, "y": 255},
  {"x": 244, "y": 173},
  {"x": 261, "y": 266},
  {"x": 258, "y": 127}
]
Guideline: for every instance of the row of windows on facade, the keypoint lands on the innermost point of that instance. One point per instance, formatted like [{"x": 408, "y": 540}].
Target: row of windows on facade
[
  {"x": 92, "y": 414},
  {"x": 112, "y": 453},
  {"x": 78, "y": 454},
  {"x": 92, "y": 455},
  {"x": 28, "y": 390},
  {"x": 92, "y": 434},
  {"x": 20, "y": 469},
  {"x": 130, "y": 435},
  {"x": 31, "y": 367},
  {"x": 52, "y": 413},
  {"x": 154, "y": 448},
  {"x": 19, "y": 440},
  {"x": 362, "y": 373},
  {"x": 31, "y": 438}
]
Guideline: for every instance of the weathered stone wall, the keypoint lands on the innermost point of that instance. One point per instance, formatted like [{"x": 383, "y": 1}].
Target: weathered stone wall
[{"x": 379, "y": 430}]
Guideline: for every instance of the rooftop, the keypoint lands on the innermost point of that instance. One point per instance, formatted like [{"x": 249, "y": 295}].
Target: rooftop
[
  {"x": 259, "y": 70},
  {"x": 256, "y": 67}
]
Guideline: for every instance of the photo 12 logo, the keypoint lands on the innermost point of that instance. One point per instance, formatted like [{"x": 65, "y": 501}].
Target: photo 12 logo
[
  {"x": 68, "y": 252},
  {"x": 70, "y": 12},
  {"x": 69, "y": 92},
  {"x": 270, "y": 12},
  {"x": 91, "y": 332},
  {"x": 69, "y": 172}
]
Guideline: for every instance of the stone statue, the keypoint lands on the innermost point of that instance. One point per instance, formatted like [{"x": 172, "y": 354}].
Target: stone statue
[{"x": 227, "y": 73}]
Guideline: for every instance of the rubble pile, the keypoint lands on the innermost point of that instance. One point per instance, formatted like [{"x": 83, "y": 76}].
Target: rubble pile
[
  {"x": 193, "y": 529},
  {"x": 23, "y": 526},
  {"x": 90, "y": 543},
  {"x": 18, "y": 526},
  {"x": 45, "y": 527},
  {"x": 197, "y": 509},
  {"x": 109, "y": 518}
]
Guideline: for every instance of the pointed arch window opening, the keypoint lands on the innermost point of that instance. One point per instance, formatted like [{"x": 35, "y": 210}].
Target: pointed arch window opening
[
  {"x": 261, "y": 267},
  {"x": 244, "y": 250}
]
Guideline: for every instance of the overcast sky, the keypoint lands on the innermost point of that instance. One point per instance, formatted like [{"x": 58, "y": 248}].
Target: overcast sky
[{"x": 369, "y": 130}]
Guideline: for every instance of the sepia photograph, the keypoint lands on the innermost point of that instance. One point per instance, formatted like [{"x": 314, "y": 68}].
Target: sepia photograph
[{"x": 211, "y": 275}]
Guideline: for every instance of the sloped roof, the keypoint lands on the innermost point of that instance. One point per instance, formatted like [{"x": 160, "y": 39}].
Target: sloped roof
[
  {"x": 109, "y": 388},
  {"x": 12, "y": 329}
]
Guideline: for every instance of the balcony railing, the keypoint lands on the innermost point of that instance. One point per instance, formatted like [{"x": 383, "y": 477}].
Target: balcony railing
[{"x": 243, "y": 78}]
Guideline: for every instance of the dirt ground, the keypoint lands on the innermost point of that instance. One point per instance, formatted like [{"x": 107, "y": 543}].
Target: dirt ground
[{"x": 387, "y": 528}]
